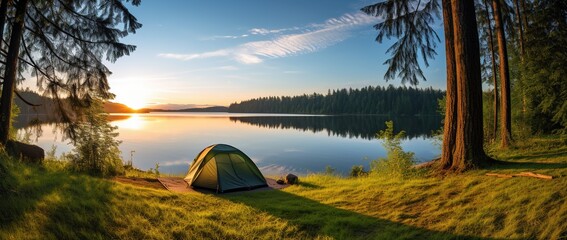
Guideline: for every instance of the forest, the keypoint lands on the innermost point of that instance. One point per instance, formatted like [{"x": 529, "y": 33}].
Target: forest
[{"x": 399, "y": 101}]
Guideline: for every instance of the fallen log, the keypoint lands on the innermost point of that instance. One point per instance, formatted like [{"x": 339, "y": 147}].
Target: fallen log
[
  {"x": 535, "y": 175},
  {"x": 522, "y": 174},
  {"x": 499, "y": 175}
]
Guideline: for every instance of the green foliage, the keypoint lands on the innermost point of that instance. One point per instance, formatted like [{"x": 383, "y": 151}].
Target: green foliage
[
  {"x": 96, "y": 149},
  {"x": 367, "y": 100},
  {"x": 330, "y": 170},
  {"x": 358, "y": 171},
  {"x": 398, "y": 164},
  {"x": 13, "y": 131},
  {"x": 412, "y": 26},
  {"x": 154, "y": 171},
  {"x": 48, "y": 203},
  {"x": 441, "y": 105},
  {"x": 544, "y": 73}
]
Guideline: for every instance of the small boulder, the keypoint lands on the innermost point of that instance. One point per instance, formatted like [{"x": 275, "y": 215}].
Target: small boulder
[
  {"x": 291, "y": 179},
  {"x": 26, "y": 152}
]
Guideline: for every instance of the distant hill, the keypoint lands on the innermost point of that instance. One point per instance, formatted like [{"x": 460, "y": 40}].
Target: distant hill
[
  {"x": 112, "y": 107},
  {"x": 48, "y": 105},
  {"x": 207, "y": 109}
]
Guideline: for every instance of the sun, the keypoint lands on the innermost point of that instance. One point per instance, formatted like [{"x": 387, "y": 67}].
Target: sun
[
  {"x": 135, "y": 103},
  {"x": 133, "y": 99},
  {"x": 135, "y": 96}
]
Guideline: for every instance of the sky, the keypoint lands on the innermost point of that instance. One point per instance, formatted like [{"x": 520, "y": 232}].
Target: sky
[{"x": 201, "y": 53}]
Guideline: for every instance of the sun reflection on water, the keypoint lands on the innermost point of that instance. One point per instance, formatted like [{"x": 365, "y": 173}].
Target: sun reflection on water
[{"x": 134, "y": 121}]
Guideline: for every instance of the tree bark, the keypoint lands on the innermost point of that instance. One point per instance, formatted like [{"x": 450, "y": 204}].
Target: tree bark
[
  {"x": 469, "y": 152},
  {"x": 520, "y": 29},
  {"x": 11, "y": 70},
  {"x": 449, "y": 124},
  {"x": 524, "y": 15},
  {"x": 494, "y": 79},
  {"x": 3, "y": 11},
  {"x": 505, "y": 118}
]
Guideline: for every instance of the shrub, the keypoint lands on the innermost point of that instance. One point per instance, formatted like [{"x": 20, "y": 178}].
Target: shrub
[
  {"x": 155, "y": 171},
  {"x": 96, "y": 149},
  {"x": 358, "y": 171},
  {"x": 330, "y": 170},
  {"x": 398, "y": 163}
]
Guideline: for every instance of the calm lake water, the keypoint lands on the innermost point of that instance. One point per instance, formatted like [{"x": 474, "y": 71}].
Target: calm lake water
[{"x": 277, "y": 143}]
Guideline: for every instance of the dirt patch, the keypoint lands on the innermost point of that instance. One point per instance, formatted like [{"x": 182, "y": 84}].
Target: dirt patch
[
  {"x": 179, "y": 185},
  {"x": 142, "y": 182},
  {"x": 175, "y": 184}
]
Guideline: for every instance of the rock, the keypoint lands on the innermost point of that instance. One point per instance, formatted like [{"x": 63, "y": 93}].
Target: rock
[
  {"x": 26, "y": 152},
  {"x": 291, "y": 179}
]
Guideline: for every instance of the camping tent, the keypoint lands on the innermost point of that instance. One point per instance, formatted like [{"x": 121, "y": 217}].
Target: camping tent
[{"x": 222, "y": 168}]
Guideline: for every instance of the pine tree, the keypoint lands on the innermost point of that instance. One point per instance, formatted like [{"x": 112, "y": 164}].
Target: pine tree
[
  {"x": 64, "y": 43},
  {"x": 463, "y": 132}
]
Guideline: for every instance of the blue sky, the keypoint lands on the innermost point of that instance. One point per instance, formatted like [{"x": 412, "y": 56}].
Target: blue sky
[{"x": 219, "y": 52}]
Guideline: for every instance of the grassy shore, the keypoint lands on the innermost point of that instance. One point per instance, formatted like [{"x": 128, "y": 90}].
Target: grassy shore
[{"x": 49, "y": 202}]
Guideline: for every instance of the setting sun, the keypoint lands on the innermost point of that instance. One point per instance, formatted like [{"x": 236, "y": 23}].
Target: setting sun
[
  {"x": 134, "y": 103},
  {"x": 134, "y": 96}
]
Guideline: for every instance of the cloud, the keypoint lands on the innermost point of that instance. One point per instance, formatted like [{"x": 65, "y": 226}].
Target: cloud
[
  {"x": 185, "y": 57},
  {"x": 264, "y": 31},
  {"x": 175, "y": 163},
  {"x": 227, "y": 68},
  {"x": 252, "y": 32},
  {"x": 227, "y": 37},
  {"x": 313, "y": 37}
]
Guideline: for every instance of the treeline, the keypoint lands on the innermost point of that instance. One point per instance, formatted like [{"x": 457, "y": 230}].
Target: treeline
[
  {"x": 351, "y": 126},
  {"x": 389, "y": 100}
]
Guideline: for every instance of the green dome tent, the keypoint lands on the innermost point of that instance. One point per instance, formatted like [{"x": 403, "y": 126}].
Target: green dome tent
[{"x": 222, "y": 168}]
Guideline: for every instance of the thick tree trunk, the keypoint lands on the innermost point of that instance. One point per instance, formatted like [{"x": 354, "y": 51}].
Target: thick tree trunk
[
  {"x": 11, "y": 71},
  {"x": 494, "y": 79},
  {"x": 505, "y": 119},
  {"x": 469, "y": 152},
  {"x": 449, "y": 124}
]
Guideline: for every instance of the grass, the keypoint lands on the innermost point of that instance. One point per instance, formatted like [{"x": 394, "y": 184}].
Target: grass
[{"x": 49, "y": 202}]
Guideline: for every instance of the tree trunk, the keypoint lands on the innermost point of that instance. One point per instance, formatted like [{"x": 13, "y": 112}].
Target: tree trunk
[
  {"x": 520, "y": 29},
  {"x": 505, "y": 119},
  {"x": 3, "y": 11},
  {"x": 494, "y": 79},
  {"x": 449, "y": 124},
  {"x": 524, "y": 15},
  {"x": 469, "y": 152},
  {"x": 11, "y": 71}
]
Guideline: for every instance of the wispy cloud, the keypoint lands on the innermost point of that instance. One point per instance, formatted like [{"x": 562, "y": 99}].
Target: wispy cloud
[
  {"x": 253, "y": 32},
  {"x": 175, "y": 163},
  {"x": 226, "y": 37},
  {"x": 264, "y": 31},
  {"x": 311, "y": 38}
]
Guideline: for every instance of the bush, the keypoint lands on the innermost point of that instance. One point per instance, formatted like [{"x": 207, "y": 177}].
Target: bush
[
  {"x": 96, "y": 149},
  {"x": 330, "y": 170},
  {"x": 398, "y": 163},
  {"x": 358, "y": 171}
]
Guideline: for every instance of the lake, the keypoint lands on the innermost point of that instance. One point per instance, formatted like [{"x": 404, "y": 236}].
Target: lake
[{"x": 277, "y": 143}]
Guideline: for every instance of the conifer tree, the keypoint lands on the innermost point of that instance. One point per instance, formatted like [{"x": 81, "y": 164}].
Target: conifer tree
[
  {"x": 463, "y": 131},
  {"x": 63, "y": 44}
]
